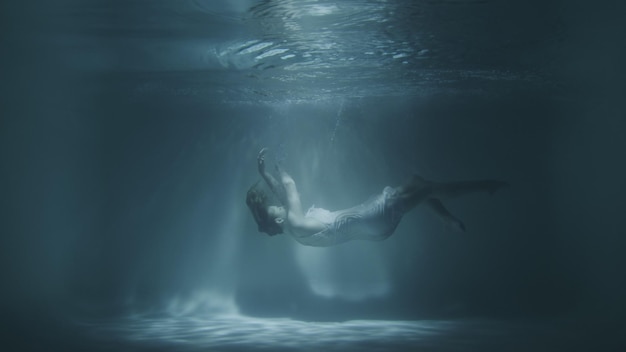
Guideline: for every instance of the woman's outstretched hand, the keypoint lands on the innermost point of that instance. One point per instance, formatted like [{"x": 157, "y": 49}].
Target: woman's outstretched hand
[{"x": 261, "y": 160}]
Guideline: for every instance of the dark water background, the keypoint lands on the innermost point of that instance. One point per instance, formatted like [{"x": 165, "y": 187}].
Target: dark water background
[{"x": 129, "y": 133}]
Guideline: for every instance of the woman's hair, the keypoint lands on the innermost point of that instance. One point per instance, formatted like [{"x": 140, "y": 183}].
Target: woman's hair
[{"x": 257, "y": 201}]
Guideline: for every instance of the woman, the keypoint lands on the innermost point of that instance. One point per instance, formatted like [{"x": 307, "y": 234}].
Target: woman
[{"x": 373, "y": 220}]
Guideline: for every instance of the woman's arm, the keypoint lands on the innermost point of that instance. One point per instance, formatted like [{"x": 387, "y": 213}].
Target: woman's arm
[
  {"x": 274, "y": 185},
  {"x": 292, "y": 196}
]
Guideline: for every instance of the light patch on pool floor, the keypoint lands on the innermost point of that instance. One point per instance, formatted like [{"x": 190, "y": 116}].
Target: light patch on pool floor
[{"x": 229, "y": 333}]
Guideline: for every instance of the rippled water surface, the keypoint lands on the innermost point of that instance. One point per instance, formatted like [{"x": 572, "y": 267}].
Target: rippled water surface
[{"x": 306, "y": 50}]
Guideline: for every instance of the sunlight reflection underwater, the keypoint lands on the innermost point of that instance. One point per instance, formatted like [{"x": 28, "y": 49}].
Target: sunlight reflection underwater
[
  {"x": 238, "y": 332},
  {"x": 262, "y": 333}
]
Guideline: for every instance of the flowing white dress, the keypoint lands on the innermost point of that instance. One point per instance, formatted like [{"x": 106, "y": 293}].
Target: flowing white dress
[{"x": 374, "y": 220}]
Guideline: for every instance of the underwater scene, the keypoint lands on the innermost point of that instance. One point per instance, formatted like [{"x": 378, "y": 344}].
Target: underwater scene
[{"x": 313, "y": 175}]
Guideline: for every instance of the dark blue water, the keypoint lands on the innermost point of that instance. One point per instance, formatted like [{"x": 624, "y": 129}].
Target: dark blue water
[{"x": 129, "y": 137}]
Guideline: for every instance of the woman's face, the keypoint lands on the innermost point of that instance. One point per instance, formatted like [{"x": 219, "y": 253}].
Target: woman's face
[{"x": 276, "y": 212}]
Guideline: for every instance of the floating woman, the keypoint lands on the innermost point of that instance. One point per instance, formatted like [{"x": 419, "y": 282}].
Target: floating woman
[{"x": 374, "y": 220}]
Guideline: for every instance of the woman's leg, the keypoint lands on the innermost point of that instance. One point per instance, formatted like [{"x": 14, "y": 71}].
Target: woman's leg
[
  {"x": 418, "y": 189},
  {"x": 450, "y": 190},
  {"x": 444, "y": 214},
  {"x": 414, "y": 192}
]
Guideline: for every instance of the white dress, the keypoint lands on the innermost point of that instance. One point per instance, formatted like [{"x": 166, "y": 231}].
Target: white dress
[{"x": 374, "y": 220}]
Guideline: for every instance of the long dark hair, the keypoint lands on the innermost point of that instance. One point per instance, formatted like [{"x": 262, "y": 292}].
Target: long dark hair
[{"x": 257, "y": 201}]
